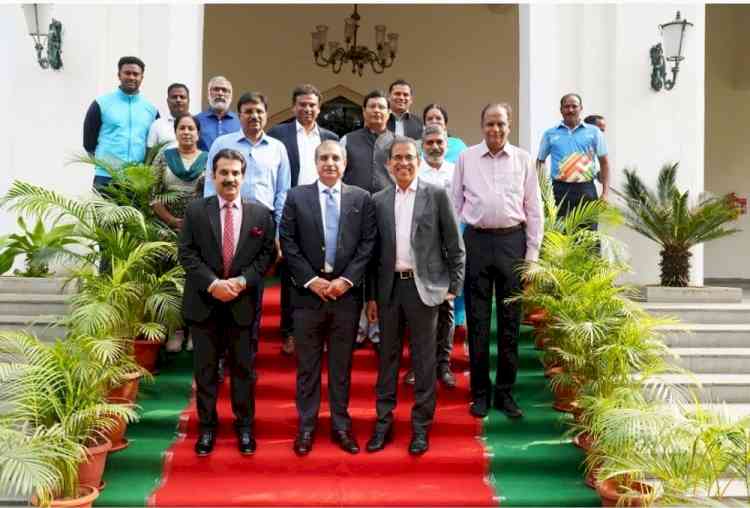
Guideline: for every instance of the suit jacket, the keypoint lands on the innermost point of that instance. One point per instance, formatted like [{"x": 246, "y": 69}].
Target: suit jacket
[
  {"x": 200, "y": 255},
  {"x": 303, "y": 239},
  {"x": 412, "y": 125},
  {"x": 287, "y": 134},
  {"x": 437, "y": 247}
]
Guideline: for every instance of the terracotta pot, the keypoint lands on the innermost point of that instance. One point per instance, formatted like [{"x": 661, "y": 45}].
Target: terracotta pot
[
  {"x": 584, "y": 441},
  {"x": 612, "y": 493},
  {"x": 553, "y": 371},
  {"x": 85, "y": 499},
  {"x": 128, "y": 389},
  {"x": 146, "y": 353},
  {"x": 590, "y": 479},
  {"x": 90, "y": 472},
  {"x": 117, "y": 435},
  {"x": 564, "y": 399},
  {"x": 536, "y": 317}
]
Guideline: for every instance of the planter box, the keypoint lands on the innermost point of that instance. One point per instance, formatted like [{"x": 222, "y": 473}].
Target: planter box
[{"x": 691, "y": 294}]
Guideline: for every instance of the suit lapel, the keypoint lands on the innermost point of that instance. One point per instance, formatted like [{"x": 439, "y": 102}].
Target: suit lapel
[
  {"x": 212, "y": 211},
  {"x": 294, "y": 155},
  {"x": 420, "y": 203},
  {"x": 344, "y": 209},
  {"x": 313, "y": 203},
  {"x": 247, "y": 221},
  {"x": 389, "y": 209}
]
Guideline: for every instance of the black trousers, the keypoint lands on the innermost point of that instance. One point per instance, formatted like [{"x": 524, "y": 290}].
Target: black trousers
[
  {"x": 211, "y": 338},
  {"x": 446, "y": 327},
  {"x": 287, "y": 315},
  {"x": 406, "y": 307},
  {"x": 491, "y": 263},
  {"x": 336, "y": 321},
  {"x": 569, "y": 195}
]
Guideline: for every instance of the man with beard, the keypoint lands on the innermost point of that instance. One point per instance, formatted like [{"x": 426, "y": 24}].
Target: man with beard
[
  {"x": 116, "y": 125},
  {"x": 162, "y": 130},
  {"x": 217, "y": 120}
]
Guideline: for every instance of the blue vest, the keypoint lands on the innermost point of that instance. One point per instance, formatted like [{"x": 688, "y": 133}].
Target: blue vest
[{"x": 125, "y": 123}]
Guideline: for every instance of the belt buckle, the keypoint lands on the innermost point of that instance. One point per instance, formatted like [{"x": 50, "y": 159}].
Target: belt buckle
[{"x": 405, "y": 275}]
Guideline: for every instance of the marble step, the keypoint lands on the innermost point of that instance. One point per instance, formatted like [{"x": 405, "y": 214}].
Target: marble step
[
  {"x": 34, "y": 285},
  {"x": 20, "y": 304},
  {"x": 43, "y": 326},
  {"x": 729, "y": 388},
  {"x": 706, "y": 313},
  {"x": 708, "y": 360},
  {"x": 707, "y": 335}
]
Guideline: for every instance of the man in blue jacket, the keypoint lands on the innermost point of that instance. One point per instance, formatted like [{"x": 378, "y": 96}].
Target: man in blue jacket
[{"x": 117, "y": 124}]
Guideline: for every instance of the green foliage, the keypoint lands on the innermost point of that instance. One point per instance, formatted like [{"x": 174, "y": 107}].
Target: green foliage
[
  {"x": 666, "y": 216},
  {"x": 40, "y": 246}
]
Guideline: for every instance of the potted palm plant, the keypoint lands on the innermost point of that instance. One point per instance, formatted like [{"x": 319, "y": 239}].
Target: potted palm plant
[
  {"x": 61, "y": 385},
  {"x": 667, "y": 217},
  {"x": 39, "y": 245}
]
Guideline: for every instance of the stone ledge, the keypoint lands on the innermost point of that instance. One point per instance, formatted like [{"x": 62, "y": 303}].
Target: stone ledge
[{"x": 691, "y": 294}]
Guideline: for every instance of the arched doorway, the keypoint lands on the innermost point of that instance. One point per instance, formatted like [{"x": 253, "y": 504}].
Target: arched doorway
[{"x": 340, "y": 112}]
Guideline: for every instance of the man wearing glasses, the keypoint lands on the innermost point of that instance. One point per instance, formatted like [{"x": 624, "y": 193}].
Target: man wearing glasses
[{"x": 217, "y": 120}]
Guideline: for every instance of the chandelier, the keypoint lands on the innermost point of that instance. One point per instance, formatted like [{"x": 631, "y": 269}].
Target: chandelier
[{"x": 336, "y": 56}]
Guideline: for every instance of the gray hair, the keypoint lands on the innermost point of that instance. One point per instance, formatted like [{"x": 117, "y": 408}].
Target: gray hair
[
  {"x": 326, "y": 144},
  {"x": 402, "y": 140},
  {"x": 218, "y": 78},
  {"x": 434, "y": 129}
]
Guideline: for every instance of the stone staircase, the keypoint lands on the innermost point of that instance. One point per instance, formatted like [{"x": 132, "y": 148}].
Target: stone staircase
[
  {"x": 712, "y": 340},
  {"x": 33, "y": 304}
]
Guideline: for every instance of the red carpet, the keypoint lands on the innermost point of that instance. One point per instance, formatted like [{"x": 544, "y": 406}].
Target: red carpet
[{"x": 452, "y": 473}]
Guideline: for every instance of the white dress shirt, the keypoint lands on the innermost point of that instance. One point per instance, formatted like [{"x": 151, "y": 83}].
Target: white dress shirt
[
  {"x": 162, "y": 130},
  {"x": 322, "y": 198},
  {"x": 236, "y": 222},
  {"x": 442, "y": 177},
  {"x": 404, "y": 213},
  {"x": 306, "y": 144}
]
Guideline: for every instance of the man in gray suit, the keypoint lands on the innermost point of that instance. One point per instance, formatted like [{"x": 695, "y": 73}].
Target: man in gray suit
[{"x": 418, "y": 263}]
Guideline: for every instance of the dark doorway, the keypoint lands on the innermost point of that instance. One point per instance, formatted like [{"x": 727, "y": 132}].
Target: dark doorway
[{"x": 339, "y": 115}]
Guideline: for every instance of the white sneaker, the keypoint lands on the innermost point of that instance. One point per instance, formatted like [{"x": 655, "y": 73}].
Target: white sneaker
[{"x": 174, "y": 344}]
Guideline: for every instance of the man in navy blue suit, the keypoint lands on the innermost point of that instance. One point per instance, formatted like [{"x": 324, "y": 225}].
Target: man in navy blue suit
[{"x": 300, "y": 137}]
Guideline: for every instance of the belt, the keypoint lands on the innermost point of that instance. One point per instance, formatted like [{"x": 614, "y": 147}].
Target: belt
[
  {"x": 409, "y": 274},
  {"x": 326, "y": 275},
  {"x": 500, "y": 231}
]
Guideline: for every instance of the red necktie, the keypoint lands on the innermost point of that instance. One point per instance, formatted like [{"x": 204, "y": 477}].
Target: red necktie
[{"x": 227, "y": 244}]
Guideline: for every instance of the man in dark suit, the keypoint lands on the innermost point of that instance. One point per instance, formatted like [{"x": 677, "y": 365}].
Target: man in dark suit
[
  {"x": 418, "y": 263},
  {"x": 225, "y": 247},
  {"x": 300, "y": 137},
  {"x": 327, "y": 234},
  {"x": 401, "y": 122}
]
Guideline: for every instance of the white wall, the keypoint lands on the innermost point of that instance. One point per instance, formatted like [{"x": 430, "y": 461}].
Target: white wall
[
  {"x": 43, "y": 110},
  {"x": 602, "y": 52}
]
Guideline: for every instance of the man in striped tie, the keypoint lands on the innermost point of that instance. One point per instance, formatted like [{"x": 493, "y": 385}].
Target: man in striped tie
[{"x": 225, "y": 247}]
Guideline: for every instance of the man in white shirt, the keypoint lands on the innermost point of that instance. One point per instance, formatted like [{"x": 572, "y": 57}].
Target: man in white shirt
[
  {"x": 162, "y": 130},
  {"x": 300, "y": 137}
]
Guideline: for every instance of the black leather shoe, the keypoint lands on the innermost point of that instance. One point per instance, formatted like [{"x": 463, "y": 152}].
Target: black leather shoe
[
  {"x": 447, "y": 378},
  {"x": 478, "y": 408},
  {"x": 419, "y": 444},
  {"x": 205, "y": 443},
  {"x": 220, "y": 371},
  {"x": 345, "y": 440},
  {"x": 303, "y": 443},
  {"x": 378, "y": 440},
  {"x": 508, "y": 406},
  {"x": 409, "y": 377},
  {"x": 246, "y": 442}
]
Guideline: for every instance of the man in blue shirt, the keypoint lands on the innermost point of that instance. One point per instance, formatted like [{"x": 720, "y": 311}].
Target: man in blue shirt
[
  {"x": 574, "y": 147},
  {"x": 267, "y": 177},
  {"x": 217, "y": 120},
  {"x": 116, "y": 125}
]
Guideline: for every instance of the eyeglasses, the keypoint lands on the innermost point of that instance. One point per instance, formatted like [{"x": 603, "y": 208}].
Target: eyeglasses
[
  {"x": 404, "y": 158},
  {"x": 220, "y": 89}
]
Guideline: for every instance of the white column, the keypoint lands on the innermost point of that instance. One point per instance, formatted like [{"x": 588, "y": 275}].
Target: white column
[{"x": 602, "y": 52}]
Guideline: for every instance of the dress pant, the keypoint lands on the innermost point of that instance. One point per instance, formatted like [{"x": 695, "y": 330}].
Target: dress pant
[
  {"x": 406, "y": 308},
  {"x": 336, "y": 321},
  {"x": 569, "y": 195},
  {"x": 287, "y": 323},
  {"x": 255, "y": 327},
  {"x": 445, "y": 331},
  {"x": 211, "y": 338},
  {"x": 491, "y": 263}
]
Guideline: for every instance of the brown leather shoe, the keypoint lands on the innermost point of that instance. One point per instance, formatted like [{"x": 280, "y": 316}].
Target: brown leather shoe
[{"x": 287, "y": 347}]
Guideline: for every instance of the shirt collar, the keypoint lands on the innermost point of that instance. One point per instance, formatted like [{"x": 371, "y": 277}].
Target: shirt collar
[
  {"x": 563, "y": 126},
  {"x": 241, "y": 136},
  {"x": 322, "y": 187},
  {"x": 412, "y": 187},
  {"x": 236, "y": 202},
  {"x": 426, "y": 165},
  {"x": 405, "y": 115},
  {"x": 228, "y": 114},
  {"x": 507, "y": 149},
  {"x": 300, "y": 128}
]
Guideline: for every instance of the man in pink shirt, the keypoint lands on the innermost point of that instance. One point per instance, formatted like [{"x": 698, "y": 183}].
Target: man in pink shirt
[{"x": 496, "y": 194}]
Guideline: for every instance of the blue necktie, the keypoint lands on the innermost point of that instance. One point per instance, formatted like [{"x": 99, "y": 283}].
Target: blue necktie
[{"x": 332, "y": 226}]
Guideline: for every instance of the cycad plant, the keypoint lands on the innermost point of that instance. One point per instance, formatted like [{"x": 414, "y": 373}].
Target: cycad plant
[
  {"x": 667, "y": 217},
  {"x": 40, "y": 245}
]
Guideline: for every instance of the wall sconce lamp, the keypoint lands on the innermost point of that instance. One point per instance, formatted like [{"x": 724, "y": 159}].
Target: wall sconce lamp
[
  {"x": 671, "y": 49},
  {"x": 44, "y": 29}
]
